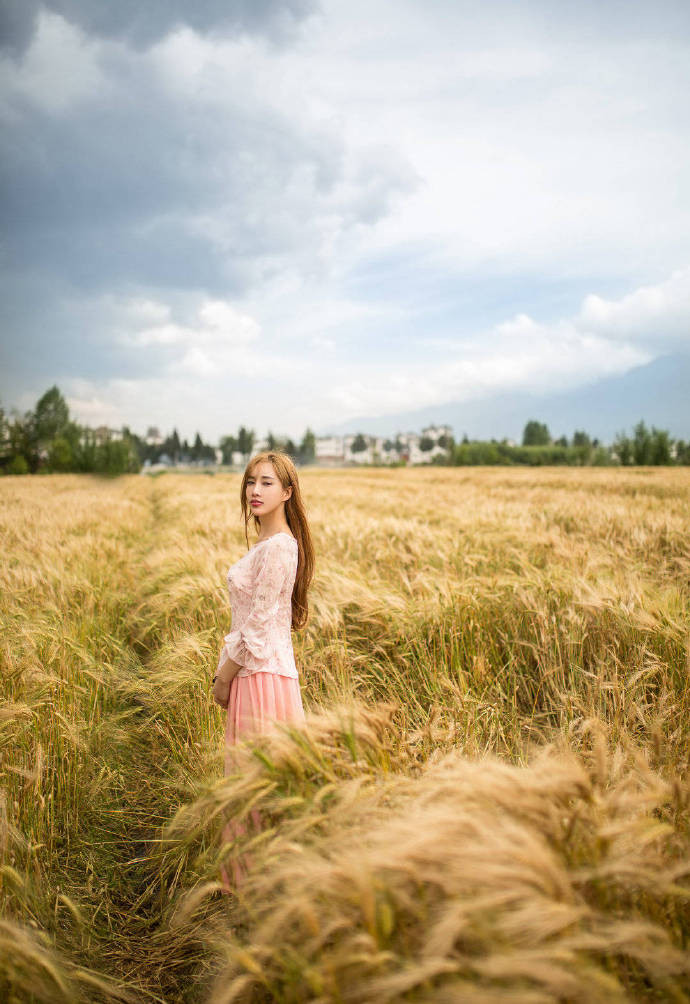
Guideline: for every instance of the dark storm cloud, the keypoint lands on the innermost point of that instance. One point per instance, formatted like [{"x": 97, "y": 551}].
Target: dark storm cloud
[
  {"x": 142, "y": 22},
  {"x": 132, "y": 182},
  {"x": 138, "y": 185},
  {"x": 17, "y": 23}
]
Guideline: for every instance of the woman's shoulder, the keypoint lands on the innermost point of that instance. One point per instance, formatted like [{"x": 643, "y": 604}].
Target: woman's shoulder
[
  {"x": 281, "y": 540},
  {"x": 278, "y": 548}
]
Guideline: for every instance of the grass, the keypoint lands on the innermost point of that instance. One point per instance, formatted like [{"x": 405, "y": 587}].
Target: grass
[{"x": 490, "y": 800}]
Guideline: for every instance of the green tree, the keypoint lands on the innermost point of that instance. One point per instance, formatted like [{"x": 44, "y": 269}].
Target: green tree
[
  {"x": 198, "y": 448},
  {"x": 660, "y": 449},
  {"x": 682, "y": 452},
  {"x": 245, "y": 441},
  {"x": 601, "y": 457},
  {"x": 17, "y": 465},
  {"x": 21, "y": 441},
  {"x": 51, "y": 416},
  {"x": 623, "y": 448},
  {"x": 85, "y": 453},
  {"x": 642, "y": 444},
  {"x": 476, "y": 452},
  {"x": 581, "y": 438},
  {"x": 426, "y": 443},
  {"x": 60, "y": 456},
  {"x": 535, "y": 434},
  {"x": 116, "y": 456},
  {"x": 582, "y": 447},
  {"x": 307, "y": 448},
  {"x": 228, "y": 446},
  {"x": 359, "y": 443},
  {"x": 36, "y": 431},
  {"x": 4, "y": 435},
  {"x": 172, "y": 446},
  {"x": 138, "y": 444}
]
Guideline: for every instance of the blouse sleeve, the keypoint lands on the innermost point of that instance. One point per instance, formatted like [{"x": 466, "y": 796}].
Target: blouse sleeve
[{"x": 253, "y": 644}]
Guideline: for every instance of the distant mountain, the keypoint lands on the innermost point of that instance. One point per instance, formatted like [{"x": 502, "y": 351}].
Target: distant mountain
[{"x": 659, "y": 393}]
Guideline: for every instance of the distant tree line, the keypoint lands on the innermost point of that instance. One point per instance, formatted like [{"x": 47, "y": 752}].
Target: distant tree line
[
  {"x": 645, "y": 447},
  {"x": 172, "y": 449},
  {"x": 302, "y": 453},
  {"x": 47, "y": 439}
]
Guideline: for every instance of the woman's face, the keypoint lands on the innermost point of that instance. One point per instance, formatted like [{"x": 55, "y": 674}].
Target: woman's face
[{"x": 265, "y": 493}]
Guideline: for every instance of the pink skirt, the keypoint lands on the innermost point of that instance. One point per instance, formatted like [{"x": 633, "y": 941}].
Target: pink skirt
[
  {"x": 259, "y": 700},
  {"x": 255, "y": 704}
]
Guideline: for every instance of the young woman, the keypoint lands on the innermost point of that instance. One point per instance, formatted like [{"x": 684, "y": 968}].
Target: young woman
[{"x": 256, "y": 680}]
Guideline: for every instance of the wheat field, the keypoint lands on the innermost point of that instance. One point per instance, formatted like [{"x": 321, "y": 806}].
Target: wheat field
[{"x": 490, "y": 798}]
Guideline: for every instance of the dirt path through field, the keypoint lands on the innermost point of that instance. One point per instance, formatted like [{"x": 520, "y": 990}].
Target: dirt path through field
[
  {"x": 118, "y": 740},
  {"x": 133, "y": 945}
]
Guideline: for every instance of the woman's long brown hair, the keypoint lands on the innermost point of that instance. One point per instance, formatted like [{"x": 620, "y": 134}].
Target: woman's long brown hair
[{"x": 296, "y": 517}]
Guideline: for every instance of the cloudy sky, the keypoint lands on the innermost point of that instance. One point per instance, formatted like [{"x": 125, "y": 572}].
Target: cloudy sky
[{"x": 283, "y": 213}]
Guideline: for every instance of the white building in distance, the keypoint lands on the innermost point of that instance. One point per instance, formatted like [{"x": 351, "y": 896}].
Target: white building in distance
[{"x": 409, "y": 447}]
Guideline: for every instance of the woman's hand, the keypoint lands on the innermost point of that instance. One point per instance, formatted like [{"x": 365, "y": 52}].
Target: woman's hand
[
  {"x": 225, "y": 674},
  {"x": 221, "y": 692}
]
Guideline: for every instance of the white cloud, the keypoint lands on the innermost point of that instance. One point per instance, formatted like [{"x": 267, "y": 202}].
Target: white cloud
[
  {"x": 533, "y": 150},
  {"x": 213, "y": 369},
  {"x": 606, "y": 338},
  {"x": 517, "y": 355},
  {"x": 657, "y": 316},
  {"x": 91, "y": 409},
  {"x": 224, "y": 322},
  {"x": 142, "y": 310},
  {"x": 219, "y": 337},
  {"x": 307, "y": 384},
  {"x": 161, "y": 334}
]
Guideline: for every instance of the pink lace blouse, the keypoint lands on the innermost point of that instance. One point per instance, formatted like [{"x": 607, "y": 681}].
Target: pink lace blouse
[{"x": 260, "y": 587}]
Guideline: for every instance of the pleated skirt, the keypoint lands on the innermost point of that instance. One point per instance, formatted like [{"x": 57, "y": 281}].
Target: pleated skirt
[{"x": 255, "y": 704}]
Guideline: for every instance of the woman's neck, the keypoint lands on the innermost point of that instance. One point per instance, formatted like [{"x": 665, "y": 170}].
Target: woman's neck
[{"x": 270, "y": 526}]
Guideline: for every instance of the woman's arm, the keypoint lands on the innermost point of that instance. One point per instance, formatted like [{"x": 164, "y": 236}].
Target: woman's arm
[{"x": 253, "y": 644}]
